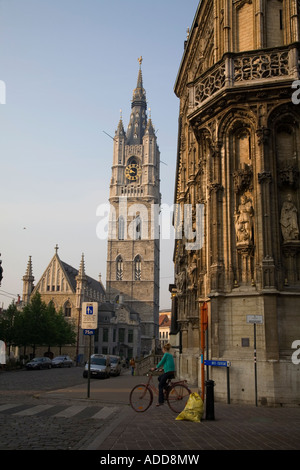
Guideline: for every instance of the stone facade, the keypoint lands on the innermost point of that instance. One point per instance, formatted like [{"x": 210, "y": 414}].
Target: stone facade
[
  {"x": 239, "y": 159},
  {"x": 68, "y": 288},
  {"x": 133, "y": 242},
  {"x": 118, "y": 332}
]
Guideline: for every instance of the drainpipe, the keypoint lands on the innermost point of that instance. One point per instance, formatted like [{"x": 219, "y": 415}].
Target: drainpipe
[{"x": 203, "y": 326}]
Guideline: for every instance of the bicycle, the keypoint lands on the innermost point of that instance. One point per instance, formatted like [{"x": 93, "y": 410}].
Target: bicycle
[{"x": 176, "y": 394}]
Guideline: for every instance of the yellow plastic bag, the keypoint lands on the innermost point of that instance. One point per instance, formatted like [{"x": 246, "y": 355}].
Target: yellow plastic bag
[{"x": 193, "y": 410}]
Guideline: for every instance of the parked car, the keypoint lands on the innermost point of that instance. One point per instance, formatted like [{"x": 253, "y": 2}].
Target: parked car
[
  {"x": 62, "y": 361},
  {"x": 39, "y": 363},
  {"x": 99, "y": 367},
  {"x": 115, "y": 365}
]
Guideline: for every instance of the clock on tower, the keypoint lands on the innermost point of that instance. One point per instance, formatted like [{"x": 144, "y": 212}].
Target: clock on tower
[{"x": 133, "y": 171}]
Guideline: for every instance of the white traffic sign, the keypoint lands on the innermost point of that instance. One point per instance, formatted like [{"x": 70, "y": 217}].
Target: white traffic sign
[
  {"x": 258, "y": 319},
  {"x": 89, "y": 317}
]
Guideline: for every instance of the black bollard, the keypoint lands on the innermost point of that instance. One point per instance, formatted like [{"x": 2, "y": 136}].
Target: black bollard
[{"x": 210, "y": 408}]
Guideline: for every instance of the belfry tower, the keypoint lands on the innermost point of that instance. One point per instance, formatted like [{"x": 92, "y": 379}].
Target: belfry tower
[{"x": 133, "y": 244}]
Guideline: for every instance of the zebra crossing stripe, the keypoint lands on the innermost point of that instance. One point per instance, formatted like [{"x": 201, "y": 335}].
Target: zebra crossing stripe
[
  {"x": 33, "y": 411},
  {"x": 67, "y": 412},
  {"x": 70, "y": 411},
  {"x": 8, "y": 406},
  {"x": 104, "y": 413}
]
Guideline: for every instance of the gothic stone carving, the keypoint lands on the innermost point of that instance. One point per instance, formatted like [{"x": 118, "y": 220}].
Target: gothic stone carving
[
  {"x": 244, "y": 223},
  {"x": 243, "y": 179},
  {"x": 289, "y": 220},
  {"x": 180, "y": 281},
  {"x": 261, "y": 66},
  {"x": 288, "y": 176}
]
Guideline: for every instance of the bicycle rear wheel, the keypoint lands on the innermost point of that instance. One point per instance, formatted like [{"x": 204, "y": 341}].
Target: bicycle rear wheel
[
  {"x": 140, "y": 398},
  {"x": 178, "y": 396}
]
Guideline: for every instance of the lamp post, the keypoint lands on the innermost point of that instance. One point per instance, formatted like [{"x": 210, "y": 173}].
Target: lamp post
[
  {"x": 203, "y": 328},
  {"x": 1, "y": 270}
]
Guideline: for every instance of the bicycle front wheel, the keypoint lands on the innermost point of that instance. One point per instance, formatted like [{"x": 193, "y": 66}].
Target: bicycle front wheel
[
  {"x": 140, "y": 398},
  {"x": 177, "y": 397}
]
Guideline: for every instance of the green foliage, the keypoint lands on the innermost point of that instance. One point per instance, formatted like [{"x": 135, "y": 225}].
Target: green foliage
[
  {"x": 7, "y": 324},
  {"x": 37, "y": 324}
]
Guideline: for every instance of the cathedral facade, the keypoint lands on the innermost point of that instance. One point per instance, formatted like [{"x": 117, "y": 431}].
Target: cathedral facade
[
  {"x": 239, "y": 161},
  {"x": 67, "y": 287},
  {"x": 132, "y": 277}
]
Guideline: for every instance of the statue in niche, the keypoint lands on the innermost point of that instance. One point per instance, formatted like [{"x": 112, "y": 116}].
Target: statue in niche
[
  {"x": 288, "y": 220},
  {"x": 192, "y": 273},
  {"x": 180, "y": 280},
  {"x": 244, "y": 221}
]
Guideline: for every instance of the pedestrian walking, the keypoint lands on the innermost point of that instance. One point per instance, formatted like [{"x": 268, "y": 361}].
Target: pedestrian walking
[{"x": 132, "y": 365}]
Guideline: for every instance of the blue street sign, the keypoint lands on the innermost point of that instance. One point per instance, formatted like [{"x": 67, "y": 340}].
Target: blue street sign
[
  {"x": 89, "y": 310},
  {"x": 89, "y": 332},
  {"x": 217, "y": 363}
]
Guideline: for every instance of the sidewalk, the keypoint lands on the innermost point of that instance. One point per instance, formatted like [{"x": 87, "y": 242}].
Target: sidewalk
[{"x": 235, "y": 427}]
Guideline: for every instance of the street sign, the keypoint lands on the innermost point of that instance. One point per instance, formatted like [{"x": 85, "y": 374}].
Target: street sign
[
  {"x": 89, "y": 332},
  {"x": 226, "y": 364},
  {"x": 217, "y": 363},
  {"x": 89, "y": 317},
  {"x": 258, "y": 319}
]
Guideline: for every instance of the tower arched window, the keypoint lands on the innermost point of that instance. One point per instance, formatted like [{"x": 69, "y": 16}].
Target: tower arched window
[
  {"x": 119, "y": 273},
  {"x": 138, "y": 228},
  {"x": 121, "y": 228},
  {"x": 137, "y": 268}
]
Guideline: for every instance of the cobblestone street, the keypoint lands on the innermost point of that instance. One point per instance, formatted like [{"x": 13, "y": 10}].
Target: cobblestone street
[
  {"x": 49, "y": 410},
  {"x": 31, "y": 420}
]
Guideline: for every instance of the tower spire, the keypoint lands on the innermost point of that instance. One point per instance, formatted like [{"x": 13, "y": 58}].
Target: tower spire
[
  {"x": 28, "y": 281},
  {"x": 138, "y": 119},
  {"x": 120, "y": 129},
  {"x": 81, "y": 272}
]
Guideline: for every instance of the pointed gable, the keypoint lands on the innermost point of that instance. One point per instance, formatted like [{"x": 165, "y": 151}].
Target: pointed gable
[
  {"x": 61, "y": 277},
  {"x": 57, "y": 277}
]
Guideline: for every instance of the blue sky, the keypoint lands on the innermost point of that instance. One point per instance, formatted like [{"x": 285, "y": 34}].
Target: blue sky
[{"x": 69, "y": 66}]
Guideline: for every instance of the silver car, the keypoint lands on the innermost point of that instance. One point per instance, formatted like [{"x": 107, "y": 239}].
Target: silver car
[
  {"x": 39, "y": 363},
  {"x": 62, "y": 361},
  {"x": 115, "y": 365},
  {"x": 99, "y": 367}
]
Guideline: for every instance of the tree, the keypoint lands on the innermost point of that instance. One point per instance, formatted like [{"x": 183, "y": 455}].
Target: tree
[
  {"x": 49, "y": 333},
  {"x": 35, "y": 327},
  {"x": 7, "y": 320},
  {"x": 65, "y": 331}
]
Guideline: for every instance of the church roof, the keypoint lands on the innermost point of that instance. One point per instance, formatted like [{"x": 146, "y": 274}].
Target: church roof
[
  {"x": 73, "y": 272},
  {"x": 70, "y": 274}
]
